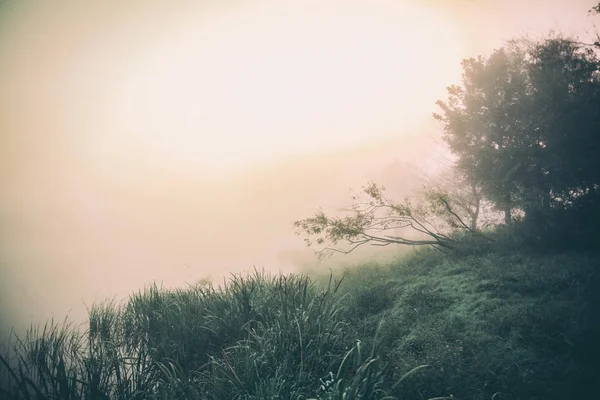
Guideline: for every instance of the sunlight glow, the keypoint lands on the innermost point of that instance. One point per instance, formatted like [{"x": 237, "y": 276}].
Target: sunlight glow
[{"x": 276, "y": 78}]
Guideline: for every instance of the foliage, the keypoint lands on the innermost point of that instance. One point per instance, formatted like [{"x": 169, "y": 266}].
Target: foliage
[
  {"x": 459, "y": 201},
  {"x": 506, "y": 324},
  {"x": 524, "y": 125},
  {"x": 375, "y": 219},
  {"x": 257, "y": 337}
]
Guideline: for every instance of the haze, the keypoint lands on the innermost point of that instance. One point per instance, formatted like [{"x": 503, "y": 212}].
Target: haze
[{"x": 171, "y": 141}]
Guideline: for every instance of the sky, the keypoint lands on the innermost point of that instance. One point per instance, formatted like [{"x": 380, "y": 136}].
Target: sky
[{"x": 174, "y": 140}]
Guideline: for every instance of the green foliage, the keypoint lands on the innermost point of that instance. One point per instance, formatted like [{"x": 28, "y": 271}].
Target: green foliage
[
  {"x": 514, "y": 325},
  {"x": 257, "y": 337},
  {"x": 524, "y": 125},
  {"x": 495, "y": 322}
]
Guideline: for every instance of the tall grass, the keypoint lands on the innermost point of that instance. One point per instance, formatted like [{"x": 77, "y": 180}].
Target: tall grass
[
  {"x": 487, "y": 325},
  {"x": 256, "y": 337}
]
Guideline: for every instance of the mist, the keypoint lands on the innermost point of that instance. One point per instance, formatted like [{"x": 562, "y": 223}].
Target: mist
[{"x": 92, "y": 207}]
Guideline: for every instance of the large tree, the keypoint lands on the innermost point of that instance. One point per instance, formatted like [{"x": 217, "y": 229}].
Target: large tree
[{"x": 525, "y": 124}]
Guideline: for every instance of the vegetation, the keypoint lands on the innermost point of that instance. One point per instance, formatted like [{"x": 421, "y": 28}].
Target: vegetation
[
  {"x": 502, "y": 325},
  {"x": 374, "y": 218},
  {"x": 258, "y": 337},
  {"x": 453, "y": 191},
  {"x": 524, "y": 126},
  {"x": 488, "y": 324}
]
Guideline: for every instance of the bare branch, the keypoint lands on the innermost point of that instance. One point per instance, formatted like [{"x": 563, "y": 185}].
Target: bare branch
[
  {"x": 374, "y": 219},
  {"x": 455, "y": 215}
]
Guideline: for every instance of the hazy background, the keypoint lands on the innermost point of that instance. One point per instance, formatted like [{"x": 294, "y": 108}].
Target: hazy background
[{"x": 169, "y": 141}]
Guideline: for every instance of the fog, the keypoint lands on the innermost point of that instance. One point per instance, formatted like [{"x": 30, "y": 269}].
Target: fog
[{"x": 173, "y": 141}]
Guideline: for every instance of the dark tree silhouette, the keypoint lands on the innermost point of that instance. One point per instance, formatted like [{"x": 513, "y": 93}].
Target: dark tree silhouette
[{"x": 525, "y": 125}]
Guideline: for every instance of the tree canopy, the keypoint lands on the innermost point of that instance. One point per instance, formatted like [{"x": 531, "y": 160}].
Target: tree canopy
[{"x": 525, "y": 124}]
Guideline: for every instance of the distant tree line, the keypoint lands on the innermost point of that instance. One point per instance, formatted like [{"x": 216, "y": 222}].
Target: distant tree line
[{"x": 524, "y": 126}]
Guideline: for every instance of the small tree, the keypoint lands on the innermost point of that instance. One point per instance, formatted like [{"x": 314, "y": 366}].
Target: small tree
[
  {"x": 377, "y": 220},
  {"x": 459, "y": 199},
  {"x": 456, "y": 193}
]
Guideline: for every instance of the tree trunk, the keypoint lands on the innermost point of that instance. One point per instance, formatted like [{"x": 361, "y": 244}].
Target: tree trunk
[
  {"x": 507, "y": 215},
  {"x": 477, "y": 203},
  {"x": 507, "y": 211}
]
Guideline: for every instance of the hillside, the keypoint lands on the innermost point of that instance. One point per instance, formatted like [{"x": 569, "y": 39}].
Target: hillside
[
  {"x": 522, "y": 325},
  {"x": 495, "y": 325}
]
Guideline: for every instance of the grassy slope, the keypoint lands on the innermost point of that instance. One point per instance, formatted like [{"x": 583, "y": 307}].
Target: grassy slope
[
  {"x": 525, "y": 325},
  {"x": 501, "y": 325}
]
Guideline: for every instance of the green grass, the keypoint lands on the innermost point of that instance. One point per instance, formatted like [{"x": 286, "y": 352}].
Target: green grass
[
  {"x": 513, "y": 326},
  {"x": 485, "y": 323},
  {"x": 258, "y": 337}
]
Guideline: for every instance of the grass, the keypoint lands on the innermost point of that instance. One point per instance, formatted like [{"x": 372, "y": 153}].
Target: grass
[
  {"x": 509, "y": 326},
  {"x": 258, "y": 337},
  {"x": 482, "y": 324}
]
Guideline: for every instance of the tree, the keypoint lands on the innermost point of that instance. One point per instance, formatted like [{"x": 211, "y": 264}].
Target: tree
[
  {"x": 481, "y": 122},
  {"x": 459, "y": 200},
  {"x": 524, "y": 124},
  {"x": 375, "y": 219}
]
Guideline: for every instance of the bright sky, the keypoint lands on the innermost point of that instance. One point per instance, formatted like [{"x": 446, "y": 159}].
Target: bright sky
[
  {"x": 278, "y": 77},
  {"x": 225, "y": 85}
]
